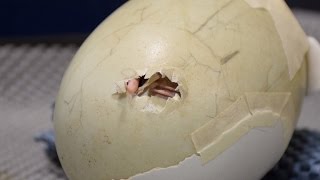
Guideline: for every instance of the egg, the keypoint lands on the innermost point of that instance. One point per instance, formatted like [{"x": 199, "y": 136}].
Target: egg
[{"x": 183, "y": 89}]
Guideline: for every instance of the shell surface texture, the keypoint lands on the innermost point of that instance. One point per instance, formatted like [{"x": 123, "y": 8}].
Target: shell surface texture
[{"x": 183, "y": 89}]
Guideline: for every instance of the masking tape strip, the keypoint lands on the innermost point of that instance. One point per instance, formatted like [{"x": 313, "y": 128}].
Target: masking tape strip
[
  {"x": 250, "y": 111},
  {"x": 294, "y": 40}
]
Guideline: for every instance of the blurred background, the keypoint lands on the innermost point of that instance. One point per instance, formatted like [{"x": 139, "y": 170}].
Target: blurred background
[
  {"x": 53, "y": 20},
  {"x": 71, "y": 20},
  {"x": 38, "y": 38}
]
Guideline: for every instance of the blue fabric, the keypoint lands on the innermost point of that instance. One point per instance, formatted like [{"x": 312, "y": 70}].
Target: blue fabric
[
  {"x": 52, "y": 17},
  {"x": 49, "y": 139},
  {"x": 306, "y": 4}
]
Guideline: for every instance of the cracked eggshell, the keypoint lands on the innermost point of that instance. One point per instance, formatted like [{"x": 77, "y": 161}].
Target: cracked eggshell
[{"x": 240, "y": 90}]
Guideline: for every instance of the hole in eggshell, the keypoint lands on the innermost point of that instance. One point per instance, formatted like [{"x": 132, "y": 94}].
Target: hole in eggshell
[
  {"x": 156, "y": 85},
  {"x": 142, "y": 80}
]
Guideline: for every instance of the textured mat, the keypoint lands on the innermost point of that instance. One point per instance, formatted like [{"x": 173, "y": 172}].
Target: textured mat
[
  {"x": 29, "y": 79},
  {"x": 301, "y": 160}
]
